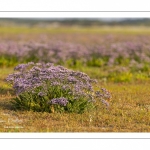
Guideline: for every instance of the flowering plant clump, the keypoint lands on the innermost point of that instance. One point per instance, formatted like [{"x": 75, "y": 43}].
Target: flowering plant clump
[{"x": 45, "y": 87}]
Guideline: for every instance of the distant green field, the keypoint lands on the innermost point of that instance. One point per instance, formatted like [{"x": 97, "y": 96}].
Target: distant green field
[{"x": 76, "y": 29}]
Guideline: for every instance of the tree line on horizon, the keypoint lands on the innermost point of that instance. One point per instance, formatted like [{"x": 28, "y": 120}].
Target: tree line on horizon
[{"x": 74, "y": 21}]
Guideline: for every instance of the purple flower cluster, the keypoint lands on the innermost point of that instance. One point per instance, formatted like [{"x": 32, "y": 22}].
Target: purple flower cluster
[
  {"x": 60, "y": 101},
  {"x": 32, "y": 75},
  {"x": 49, "y": 84}
]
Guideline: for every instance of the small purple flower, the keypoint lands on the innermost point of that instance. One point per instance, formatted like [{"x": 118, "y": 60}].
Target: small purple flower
[
  {"x": 41, "y": 94},
  {"x": 105, "y": 103},
  {"x": 20, "y": 67},
  {"x": 60, "y": 101},
  {"x": 72, "y": 79}
]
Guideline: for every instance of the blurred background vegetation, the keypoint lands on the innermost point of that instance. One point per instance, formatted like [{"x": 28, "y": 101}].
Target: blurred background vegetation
[{"x": 75, "y": 21}]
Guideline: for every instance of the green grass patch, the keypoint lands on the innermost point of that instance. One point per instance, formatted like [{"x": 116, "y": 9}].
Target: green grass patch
[{"x": 67, "y": 30}]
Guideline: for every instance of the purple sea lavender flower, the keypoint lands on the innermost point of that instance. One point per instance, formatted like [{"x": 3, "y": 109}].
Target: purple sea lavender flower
[
  {"x": 10, "y": 78},
  {"x": 55, "y": 83},
  {"x": 21, "y": 67},
  {"x": 60, "y": 101},
  {"x": 105, "y": 103},
  {"x": 65, "y": 87},
  {"x": 106, "y": 93},
  {"x": 72, "y": 79}
]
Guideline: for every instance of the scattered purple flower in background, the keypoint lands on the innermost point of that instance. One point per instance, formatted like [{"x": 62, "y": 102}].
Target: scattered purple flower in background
[{"x": 134, "y": 48}]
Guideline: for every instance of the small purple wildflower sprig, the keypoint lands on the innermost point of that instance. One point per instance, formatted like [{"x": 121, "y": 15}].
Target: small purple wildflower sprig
[
  {"x": 38, "y": 86},
  {"x": 60, "y": 101},
  {"x": 104, "y": 96}
]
